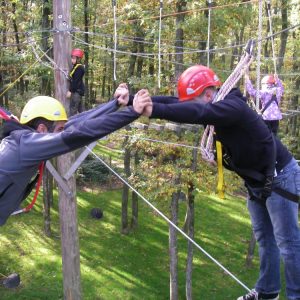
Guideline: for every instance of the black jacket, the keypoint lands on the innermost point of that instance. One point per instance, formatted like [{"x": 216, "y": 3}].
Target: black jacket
[
  {"x": 76, "y": 79},
  {"x": 242, "y": 132}
]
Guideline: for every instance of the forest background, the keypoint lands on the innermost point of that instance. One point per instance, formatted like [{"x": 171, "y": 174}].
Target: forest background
[{"x": 150, "y": 56}]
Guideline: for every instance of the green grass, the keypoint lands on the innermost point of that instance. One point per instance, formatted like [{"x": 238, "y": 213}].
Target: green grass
[{"x": 134, "y": 266}]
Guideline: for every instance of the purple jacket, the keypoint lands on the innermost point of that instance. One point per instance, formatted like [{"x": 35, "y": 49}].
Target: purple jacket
[{"x": 273, "y": 110}]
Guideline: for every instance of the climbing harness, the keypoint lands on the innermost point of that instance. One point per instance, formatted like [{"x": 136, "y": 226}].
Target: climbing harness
[
  {"x": 74, "y": 69},
  {"x": 36, "y": 182}
]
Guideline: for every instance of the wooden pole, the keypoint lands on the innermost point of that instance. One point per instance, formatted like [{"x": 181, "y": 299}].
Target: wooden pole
[{"x": 67, "y": 201}]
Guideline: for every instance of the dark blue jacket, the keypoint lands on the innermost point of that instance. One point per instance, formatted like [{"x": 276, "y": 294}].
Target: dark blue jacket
[{"x": 22, "y": 149}]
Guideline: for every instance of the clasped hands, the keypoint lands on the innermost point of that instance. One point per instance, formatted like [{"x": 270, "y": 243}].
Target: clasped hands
[{"x": 142, "y": 102}]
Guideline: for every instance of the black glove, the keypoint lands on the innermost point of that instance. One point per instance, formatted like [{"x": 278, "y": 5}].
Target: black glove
[{"x": 267, "y": 189}]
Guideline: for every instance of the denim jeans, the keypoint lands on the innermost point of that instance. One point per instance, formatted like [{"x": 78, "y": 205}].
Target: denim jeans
[{"x": 277, "y": 232}]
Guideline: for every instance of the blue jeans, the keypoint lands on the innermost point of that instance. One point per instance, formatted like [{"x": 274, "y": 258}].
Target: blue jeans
[{"x": 277, "y": 232}]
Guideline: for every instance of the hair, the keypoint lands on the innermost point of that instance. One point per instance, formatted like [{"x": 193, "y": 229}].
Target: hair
[{"x": 37, "y": 121}]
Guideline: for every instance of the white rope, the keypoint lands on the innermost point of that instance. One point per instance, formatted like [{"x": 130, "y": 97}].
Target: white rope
[
  {"x": 115, "y": 39},
  {"x": 206, "y": 144},
  {"x": 35, "y": 46},
  {"x": 170, "y": 222},
  {"x": 208, "y": 31},
  {"x": 259, "y": 38},
  {"x": 271, "y": 32},
  {"x": 159, "y": 41}
]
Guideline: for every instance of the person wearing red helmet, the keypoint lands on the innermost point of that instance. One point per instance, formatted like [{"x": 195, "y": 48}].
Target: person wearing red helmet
[
  {"x": 76, "y": 89},
  {"x": 270, "y": 173},
  {"x": 270, "y": 96}
]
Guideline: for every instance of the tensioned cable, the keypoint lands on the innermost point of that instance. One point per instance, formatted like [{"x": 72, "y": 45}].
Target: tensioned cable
[
  {"x": 169, "y": 221},
  {"x": 114, "y": 3},
  {"x": 168, "y": 61},
  {"x": 208, "y": 31},
  {"x": 258, "y": 55},
  {"x": 13, "y": 83},
  {"x": 187, "y": 12},
  {"x": 34, "y": 45},
  {"x": 159, "y": 36},
  {"x": 217, "y": 49},
  {"x": 271, "y": 31},
  {"x": 132, "y": 39},
  {"x": 134, "y": 136},
  {"x": 192, "y": 11}
]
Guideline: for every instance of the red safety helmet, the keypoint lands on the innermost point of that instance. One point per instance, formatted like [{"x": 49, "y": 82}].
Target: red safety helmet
[
  {"x": 268, "y": 79},
  {"x": 194, "y": 80},
  {"x": 77, "y": 52}
]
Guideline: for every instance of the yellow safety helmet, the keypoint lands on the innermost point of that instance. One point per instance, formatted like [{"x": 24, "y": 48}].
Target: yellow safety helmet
[{"x": 43, "y": 107}]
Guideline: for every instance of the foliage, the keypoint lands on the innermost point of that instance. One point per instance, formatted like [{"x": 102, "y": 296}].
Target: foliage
[
  {"x": 134, "y": 266},
  {"x": 91, "y": 171}
]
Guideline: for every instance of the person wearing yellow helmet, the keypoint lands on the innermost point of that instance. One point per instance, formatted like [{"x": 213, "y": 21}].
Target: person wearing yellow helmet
[
  {"x": 43, "y": 132},
  {"x": 44, "y": 113},
  {"x": 76, "y": 88}
]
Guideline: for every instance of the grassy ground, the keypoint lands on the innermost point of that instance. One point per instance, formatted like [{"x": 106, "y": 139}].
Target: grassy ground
[{"x": 115, "y": 266}]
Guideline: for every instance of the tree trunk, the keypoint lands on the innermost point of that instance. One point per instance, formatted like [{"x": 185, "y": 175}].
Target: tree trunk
[
  {"x": 140, "y": 59},
  {"x": 179, "y": 36},
  {"x": 190, "y": 222},
  {"x": 173, "y": 245},
  {"x": 47, "y": 199},
  {"x": 189, "y": 260},
  {"x": 283, "y": 35},
  {"x": 135, "y": 203},
  {"x": 21, "y": 80},
  {"x": 125, "y": 193}
]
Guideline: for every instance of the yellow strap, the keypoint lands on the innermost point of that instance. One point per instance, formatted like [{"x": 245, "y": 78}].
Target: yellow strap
[
  {"x": 220, "y": 186},
  {"x": 74, "y": 69}
]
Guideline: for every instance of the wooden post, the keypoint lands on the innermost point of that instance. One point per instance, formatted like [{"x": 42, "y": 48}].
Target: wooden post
[{"x": 67, "y": 201}]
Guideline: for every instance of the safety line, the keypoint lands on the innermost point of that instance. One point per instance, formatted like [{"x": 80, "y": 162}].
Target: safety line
[
  {"x": 169, "y": 221},
  {"x": 134, "y": 136},
  {"x": 208, "y": 31},
  {"x": 258, "y": 55},
  {"x": 191, "y": 11},
  {"x": 13, "y": 83},
  {"x": 271, "y": 31},
  {"x": 159, "y": 41},
  {"x": 114, "y": 2}
]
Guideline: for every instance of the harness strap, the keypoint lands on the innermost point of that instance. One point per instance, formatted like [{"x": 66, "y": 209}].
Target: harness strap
[
  {"x": 74, "y": 69},
  {"x": 7, "y": 116},
  {"x": 273, "y": 99}
]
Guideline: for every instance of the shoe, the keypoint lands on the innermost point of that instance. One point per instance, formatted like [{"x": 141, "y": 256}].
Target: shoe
[{"x": 254, "y": 295}]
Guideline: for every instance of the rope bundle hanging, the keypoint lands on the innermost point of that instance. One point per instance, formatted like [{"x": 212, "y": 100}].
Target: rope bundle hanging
[{"x": 206, "y": 144}]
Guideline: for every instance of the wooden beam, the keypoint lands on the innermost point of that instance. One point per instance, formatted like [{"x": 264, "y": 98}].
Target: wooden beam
[{"x": 67, "y": 202}]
